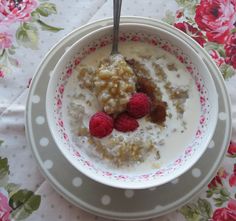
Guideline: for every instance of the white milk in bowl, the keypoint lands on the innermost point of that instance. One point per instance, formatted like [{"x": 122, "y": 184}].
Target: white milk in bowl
[{"x": 159, "y": 139}]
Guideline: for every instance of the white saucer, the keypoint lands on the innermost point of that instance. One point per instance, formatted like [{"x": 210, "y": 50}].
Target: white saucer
[{"x": 103, "y": 200}]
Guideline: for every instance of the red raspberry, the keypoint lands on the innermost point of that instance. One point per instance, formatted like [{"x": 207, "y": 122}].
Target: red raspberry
[
  {"x": 125, "y": 123},
  {"x": 139, "y": 105},
  {"x": 100, "y": 125}
]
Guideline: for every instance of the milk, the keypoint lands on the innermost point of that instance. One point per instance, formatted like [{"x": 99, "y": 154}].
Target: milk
[{"x": 170, "y": 140}]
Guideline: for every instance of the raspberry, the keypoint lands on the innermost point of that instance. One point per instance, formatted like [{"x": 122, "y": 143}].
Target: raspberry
[
  {"x": 138, "y": 105},
  {"x": 100, "y": 125},
  {"x": 125, "y": 123}
]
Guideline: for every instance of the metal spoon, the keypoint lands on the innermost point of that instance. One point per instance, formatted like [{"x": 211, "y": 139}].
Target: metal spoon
[{"x": 116, "y": 23}]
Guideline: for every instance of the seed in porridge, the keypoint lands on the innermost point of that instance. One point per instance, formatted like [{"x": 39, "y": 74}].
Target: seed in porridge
[
  {"x": 83, "y": 131},
  {"x": 141, "y": 130},
  {"x": 149, "y": 127},
  {"x": 88, "y": 102},
  {"x": 161, "y": 142},
  {"x": 174, "y": 130},
  {"x": 159, "y": 72},
  {"x": 172, "y": 67},
  {"x": 81, "y": 96},
  {"x": 158, "y": 156},
  {"x": 121, "y": 138},
  {"x": 156, "y": 165},
  {"x": 170, "y": 115},
  {"x": 179, "y": 94}
]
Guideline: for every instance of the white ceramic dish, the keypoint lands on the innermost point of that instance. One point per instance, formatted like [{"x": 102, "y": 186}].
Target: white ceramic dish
[
  {"x": 87, "y": 194},
  {"x": 56, "y": 107}
]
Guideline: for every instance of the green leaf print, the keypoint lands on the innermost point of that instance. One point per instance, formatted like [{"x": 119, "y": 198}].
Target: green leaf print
[
  {"x": 190, "y": 5},
  {"x": 231, "y": 156},
  {"x": 4, "y": 171},
  {"x": 190, "y": 213},
  {"x": 200, "y": 211},
  {"x": 233, "y": 31},
  {"x": 23, "y": 203},
  {"x": 35, "y": 16},
  {"x": 211, "y": 46},
  {"x": 13, "y": 61},
  {"x": 27, "y": 35},
  {"x": 46, "y": 9},
  {"x": 227, "y": 72},
  {"x": 169, "y": 17},
  {"x": 224, "y": 192},
  {"x": 11, "y": 50},
  {"x": 205, "y": 207},
  {"x": 209, "y": 193},
  {"x": 47, "y": 27},
  {"x": 12, "y": 188}
]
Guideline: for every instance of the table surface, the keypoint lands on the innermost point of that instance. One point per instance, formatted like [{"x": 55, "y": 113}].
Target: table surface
[{"x": 28, "y": 30}]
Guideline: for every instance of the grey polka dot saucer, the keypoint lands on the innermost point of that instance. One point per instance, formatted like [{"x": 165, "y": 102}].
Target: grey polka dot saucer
[{"x": 107, "y": 201}]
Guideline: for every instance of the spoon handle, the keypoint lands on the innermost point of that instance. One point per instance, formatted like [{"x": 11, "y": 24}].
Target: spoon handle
[{"x": 116, "y": 22}]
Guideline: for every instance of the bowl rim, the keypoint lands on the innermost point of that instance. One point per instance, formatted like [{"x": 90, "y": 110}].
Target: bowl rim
[{"x": 131, "y": 185}]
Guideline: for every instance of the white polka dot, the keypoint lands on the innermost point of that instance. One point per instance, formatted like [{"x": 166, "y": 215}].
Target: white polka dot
[
  {"x": 175, "y": 181},
  {"x": 77, "y": 181},
  {"x": 196, "y": 172},
  {"x": 152, "y": 189},
  {"x": 106, "y": 200},
  {"x": 40, "y": 120},
  {"x": 129, "y": 193},
  {"x": 222, "y": 116},
  {"x": 35, "y": 99},
  {"x": 48, "y": 164},
  {"x": 44, "y": 142},
  {"x": 211, "y": 144},
  {"x": 158, "y": 207}
]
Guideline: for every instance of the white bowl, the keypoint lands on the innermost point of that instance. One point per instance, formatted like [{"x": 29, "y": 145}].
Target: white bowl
[{"x": 57, "y": 108}]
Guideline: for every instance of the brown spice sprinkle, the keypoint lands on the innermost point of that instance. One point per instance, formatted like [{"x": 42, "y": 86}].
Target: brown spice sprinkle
[
  {"x": 137, "y": 67},
  {"x": 158, "y": 112},
  {"x": 147, "y": 87}
]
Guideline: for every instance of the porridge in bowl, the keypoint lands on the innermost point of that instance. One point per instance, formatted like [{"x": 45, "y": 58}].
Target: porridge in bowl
[
  {"x": 136, "y": 120},
  {"x": 134, "y": 111}
]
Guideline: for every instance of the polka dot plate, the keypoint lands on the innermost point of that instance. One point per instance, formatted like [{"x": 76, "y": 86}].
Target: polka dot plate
[{"x": 107, "y": 201}]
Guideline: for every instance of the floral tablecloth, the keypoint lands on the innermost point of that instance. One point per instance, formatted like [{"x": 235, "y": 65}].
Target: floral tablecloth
[{"x": 29, "y": 28}]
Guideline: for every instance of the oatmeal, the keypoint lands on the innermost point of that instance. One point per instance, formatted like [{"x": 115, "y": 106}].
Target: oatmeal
[
  {"x": 113, "y": 82},
  {"x": 162, "y": 134}
]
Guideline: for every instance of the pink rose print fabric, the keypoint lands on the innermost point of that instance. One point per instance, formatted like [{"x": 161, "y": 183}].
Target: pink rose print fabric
[
  {"x": 16, "y": 11},
  {"x": 5, "y": 209},
  {"x": 217, "y": 18}
]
